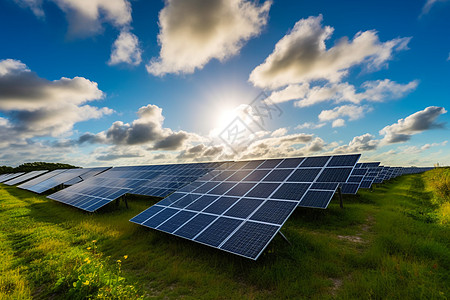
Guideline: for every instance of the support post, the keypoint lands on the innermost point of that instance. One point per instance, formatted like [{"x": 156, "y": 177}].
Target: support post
[
  {"x": 284, "y": 238},
  {"x": 117, "y": 202},
  {"x": 126, "y": 201},
  {"x": 341, "y": 203}
]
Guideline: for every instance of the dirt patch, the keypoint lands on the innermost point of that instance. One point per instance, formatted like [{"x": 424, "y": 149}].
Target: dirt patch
[
  {"x": 337, "y": 283},
  {"x": 351, "y": 238}
]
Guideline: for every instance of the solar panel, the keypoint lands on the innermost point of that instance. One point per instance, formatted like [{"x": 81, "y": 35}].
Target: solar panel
[
  {"x": 10, "y": 176},
  {"x": 152, "y": 180},
  {"x": 56, "y": 180},
  {"x": 353, "y": 182},
  {"x": 239, "y": 207},
  {"x": 90, "y": 173},
  {"x": 25, "y": 177},
  {"x": 29, "y": 184}
]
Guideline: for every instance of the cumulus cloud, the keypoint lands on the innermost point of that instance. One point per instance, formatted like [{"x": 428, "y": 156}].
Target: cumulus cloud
[
  {"x": 192, "y": 32},
  {"x": 372, "y": 91},
  {"x": 147, "y": 129},
  {"x": 35, "y": 106},
  {"x": 126, "y": 50},
  {"x": 338, "y": 123},
  {"x": 413, "y": 124},
  {"x": 302, "y": 56},
  {"x": 365, "y": 142},
  {"x": 353, "y": 112},
  {"x": 86, "y": 18}
]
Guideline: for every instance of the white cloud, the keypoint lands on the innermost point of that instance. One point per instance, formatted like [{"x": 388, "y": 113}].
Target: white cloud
[
  {"x": 279, "y": 132},
  {"x": 372, "y": 91},
  {"x": 86, "y": 17},
  {"x": 35, "y": 106},
  {"x": 309, "y": 125},
  {"x": 146, "y": 130},
  {"x": 362, "y": 143},
  {"x": 353, "y": 112},
  {"x": 34, "y": 5},
  {"x": 193, "y": 32},
  {"x": 413, "y": 124},
  {"x": 428, "y": 5},
  {"x": 302, "y": 56},
  {"x": 338, "y": 123},
  {"x": 126, "y": 50}
]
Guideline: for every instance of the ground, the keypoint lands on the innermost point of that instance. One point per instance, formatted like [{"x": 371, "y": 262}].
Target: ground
[{"x": 382, "y": 244}]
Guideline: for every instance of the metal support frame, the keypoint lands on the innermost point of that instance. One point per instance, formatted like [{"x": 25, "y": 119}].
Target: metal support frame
[
  {"x": 341, "y": 203},
  {"x": 284, "y": 238}
]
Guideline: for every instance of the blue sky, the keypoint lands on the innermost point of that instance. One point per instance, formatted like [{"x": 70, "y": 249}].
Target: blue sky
[{"x": 117, "y": 82}]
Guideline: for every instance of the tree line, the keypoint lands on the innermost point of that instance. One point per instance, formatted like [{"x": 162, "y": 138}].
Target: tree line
[{"x": 34, "y": 166}]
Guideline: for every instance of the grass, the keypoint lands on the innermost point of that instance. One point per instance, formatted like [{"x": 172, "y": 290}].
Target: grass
[{"x": 381, "y": 245}]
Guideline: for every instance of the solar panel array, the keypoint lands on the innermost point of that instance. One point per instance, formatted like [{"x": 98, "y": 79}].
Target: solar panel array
[
  {"x": 240, "y": 207},
  {"x": 25, "y": 177},
  {"x": 9, "y": 176},
  {"x": 236, "y": 207},
  {"x": 100, "y": 190}
]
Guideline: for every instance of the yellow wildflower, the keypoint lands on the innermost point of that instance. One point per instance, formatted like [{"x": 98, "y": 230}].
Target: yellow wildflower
[
  {"x": 89, "y": 248},
  {"x": 119, "y": 261},
  {"x": 94, "y": 241},
  {"x": 86, "y": 282},
  {"x": 125, "y": 256}
]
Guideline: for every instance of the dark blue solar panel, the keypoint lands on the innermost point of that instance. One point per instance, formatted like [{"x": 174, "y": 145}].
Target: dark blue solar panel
[
  {"x": 185, "y": 201},
  {"x": 215, "y": 234},
  {"x": 278, "y": 175},
  {"x": 332, "y": 186},
  {"x": 355, "y": 179},
  {"x": 291, "y": 191},
  {"x": 318, "y": 161},
  {"x": 223, "y": 176},
  {"x": 317, "y": 199},
  {"x": 240, "y": 189},
  {"x": 350, "y": 188},
  {"x": 274, "y": 211},
  {"x": 257, "y": 175},
  {"x": 146, "y": 214},
  {"x": 194, "y": 226},
  {"x": 290, "y": 163},
  {"x": 222, "y": 188},
  {"x": 250, "y": 239},
  {"x": 252, "y": 164},
  {"x": 202, "y": 202},
  {"x": 176, "y": 221},
  {"x": 206, "y": 187},
  {"x": 221, "y": 205},
  {"x": 239, "y": 175},
  {"x": 171, "y": 199},
  {"x": 334, "y": 175},
  {"x": 243, "y": 208},
  {"x": 160, "y": 217},
  {"x": 360, "y": 172},
  {"x": 269, "y": 164},
  {"x": 304, "y": 175},
  {"x": 263, "y": 190},
  {"x": 343, "y": 160}
]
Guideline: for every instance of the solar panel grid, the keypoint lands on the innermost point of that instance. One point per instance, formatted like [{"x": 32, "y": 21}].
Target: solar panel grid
[{"x": 245, "y": 195}]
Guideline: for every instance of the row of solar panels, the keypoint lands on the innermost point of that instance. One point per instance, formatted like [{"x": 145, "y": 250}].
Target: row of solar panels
[{"x": 233, "y": 206}]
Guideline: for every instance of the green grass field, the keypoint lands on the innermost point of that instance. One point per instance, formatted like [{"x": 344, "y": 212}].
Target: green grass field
[{"x": 388, "y": 243}]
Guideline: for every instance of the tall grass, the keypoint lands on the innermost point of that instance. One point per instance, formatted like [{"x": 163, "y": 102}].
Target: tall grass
[{"x": 437, "y": 181}]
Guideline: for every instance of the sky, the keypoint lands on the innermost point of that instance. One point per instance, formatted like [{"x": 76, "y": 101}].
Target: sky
[{"x": 118, "y": 82}]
